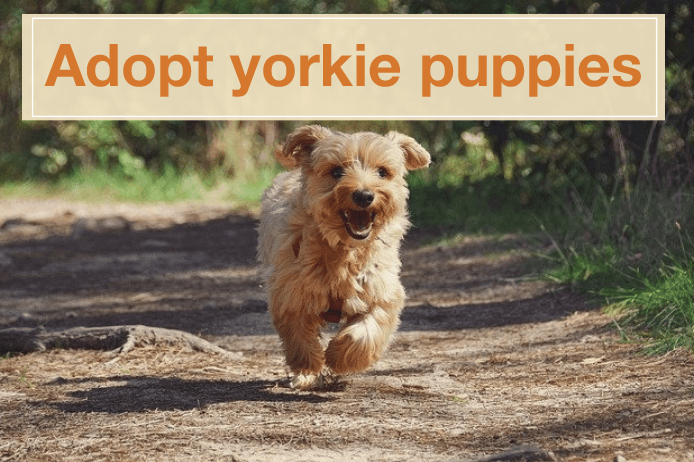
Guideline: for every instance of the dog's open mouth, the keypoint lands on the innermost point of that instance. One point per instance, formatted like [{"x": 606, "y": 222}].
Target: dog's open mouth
[{"x": 358, "y": 223}]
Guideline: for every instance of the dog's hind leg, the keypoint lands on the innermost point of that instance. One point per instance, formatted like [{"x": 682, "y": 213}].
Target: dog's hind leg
[
  {"x": 362, "y": 340},
  {"x": 301, "y": 339}
]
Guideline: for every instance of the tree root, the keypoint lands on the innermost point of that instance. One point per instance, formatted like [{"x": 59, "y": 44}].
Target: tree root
[{"x": 117, "y": 340}]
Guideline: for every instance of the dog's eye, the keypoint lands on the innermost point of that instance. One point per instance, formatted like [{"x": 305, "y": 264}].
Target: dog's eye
[
  {"x": 383, "y": 172},
  {"x": 337, "y": 172}
]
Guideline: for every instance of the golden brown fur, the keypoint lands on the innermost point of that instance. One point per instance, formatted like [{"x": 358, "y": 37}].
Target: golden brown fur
[{"x": 330, "y": 232}]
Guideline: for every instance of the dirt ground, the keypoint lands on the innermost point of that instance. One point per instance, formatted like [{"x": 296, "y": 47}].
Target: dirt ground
[{"x": 490, "y": 364}]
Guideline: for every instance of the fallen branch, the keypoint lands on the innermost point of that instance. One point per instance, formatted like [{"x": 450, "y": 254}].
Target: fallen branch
[
  {"x": 520, "y": 454},
  {"x": 117, "y": 340}
]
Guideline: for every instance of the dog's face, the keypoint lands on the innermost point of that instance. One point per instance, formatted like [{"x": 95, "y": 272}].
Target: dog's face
[{"x": 353, "y": 185}]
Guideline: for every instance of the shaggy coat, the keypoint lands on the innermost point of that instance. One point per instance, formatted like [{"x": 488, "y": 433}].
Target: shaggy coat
[{"x": 330, "y": 233}]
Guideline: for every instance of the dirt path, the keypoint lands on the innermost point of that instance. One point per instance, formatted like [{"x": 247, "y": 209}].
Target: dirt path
[{"x": 488, "y": 364}]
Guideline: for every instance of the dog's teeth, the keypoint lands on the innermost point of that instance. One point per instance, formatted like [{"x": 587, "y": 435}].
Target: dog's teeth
[{"x": 358, "y": 223}]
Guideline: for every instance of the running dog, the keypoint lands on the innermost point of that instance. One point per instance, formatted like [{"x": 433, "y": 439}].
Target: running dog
[{"x": 329, "y": 243}]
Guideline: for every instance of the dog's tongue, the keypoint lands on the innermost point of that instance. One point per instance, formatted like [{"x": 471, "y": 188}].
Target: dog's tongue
[{"x": 359, "y": 220}]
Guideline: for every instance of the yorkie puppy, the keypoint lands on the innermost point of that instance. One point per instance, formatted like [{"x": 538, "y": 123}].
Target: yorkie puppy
[{"x": 330, "y": 233}]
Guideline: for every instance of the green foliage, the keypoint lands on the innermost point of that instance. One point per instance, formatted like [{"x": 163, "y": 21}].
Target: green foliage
[
  {"x": 635, "y": 253},
  {"x": 489, "y": 206},
  {"x": 290, "y": 7},
  {"x": 59, "y": 148}
]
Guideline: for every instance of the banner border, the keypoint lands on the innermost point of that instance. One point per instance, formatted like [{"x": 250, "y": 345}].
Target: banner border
[{"x": 659, "y": 103}]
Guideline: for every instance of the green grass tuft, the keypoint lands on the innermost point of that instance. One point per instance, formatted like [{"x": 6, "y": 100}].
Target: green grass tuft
[{"x": 661, "y": 308}]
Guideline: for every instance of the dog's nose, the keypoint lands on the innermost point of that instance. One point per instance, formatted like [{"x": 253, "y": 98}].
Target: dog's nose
[{"x": 363, "y": 197}]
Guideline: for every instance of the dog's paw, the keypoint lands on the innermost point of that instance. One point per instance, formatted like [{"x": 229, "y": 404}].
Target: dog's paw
[
  {"x": 326, "y": 380},
  {"x": 306, "y": 381}
]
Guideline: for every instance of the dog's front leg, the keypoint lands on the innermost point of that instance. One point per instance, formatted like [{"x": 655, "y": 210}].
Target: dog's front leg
[
  {"x": 362, "y": 340},
  {"x": 300, "y": 335}
]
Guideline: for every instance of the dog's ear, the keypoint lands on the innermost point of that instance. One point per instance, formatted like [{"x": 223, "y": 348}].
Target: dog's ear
[
  {"x": 415, "y": 155},
  {"x": 299, "y": 145}
]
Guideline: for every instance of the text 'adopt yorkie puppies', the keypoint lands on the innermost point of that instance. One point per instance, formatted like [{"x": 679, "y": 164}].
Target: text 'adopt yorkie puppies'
[{"x": 330, "y": 232}]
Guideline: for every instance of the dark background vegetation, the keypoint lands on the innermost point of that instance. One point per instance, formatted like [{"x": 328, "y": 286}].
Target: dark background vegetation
[{"x": 614, "y": 197}]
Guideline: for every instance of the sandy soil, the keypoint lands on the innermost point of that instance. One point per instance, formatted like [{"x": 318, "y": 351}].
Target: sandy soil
[{"x": 490, "y": 364}]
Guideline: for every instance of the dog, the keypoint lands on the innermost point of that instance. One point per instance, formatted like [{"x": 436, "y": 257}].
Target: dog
[{"x": 329, "y": 243}]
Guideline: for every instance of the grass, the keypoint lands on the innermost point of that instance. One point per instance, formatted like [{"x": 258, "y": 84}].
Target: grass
[
  {"x": 490, "y": 206},
  {"x": 661, "y": 309},
  {"x": 168, "y": 185},
  {"x": 23, "y": 378},
  {"x": 635, "y": 254}
]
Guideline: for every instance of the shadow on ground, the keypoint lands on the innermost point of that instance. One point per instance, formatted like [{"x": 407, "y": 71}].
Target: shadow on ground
[
  {"x": 543, "y": 308},
  {"x": 202, "y": 278},
  {"x": 142, "y": 394}
]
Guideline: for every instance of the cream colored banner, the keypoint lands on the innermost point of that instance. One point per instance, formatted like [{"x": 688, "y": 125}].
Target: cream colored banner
[{"x": 343, "y": 67}]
